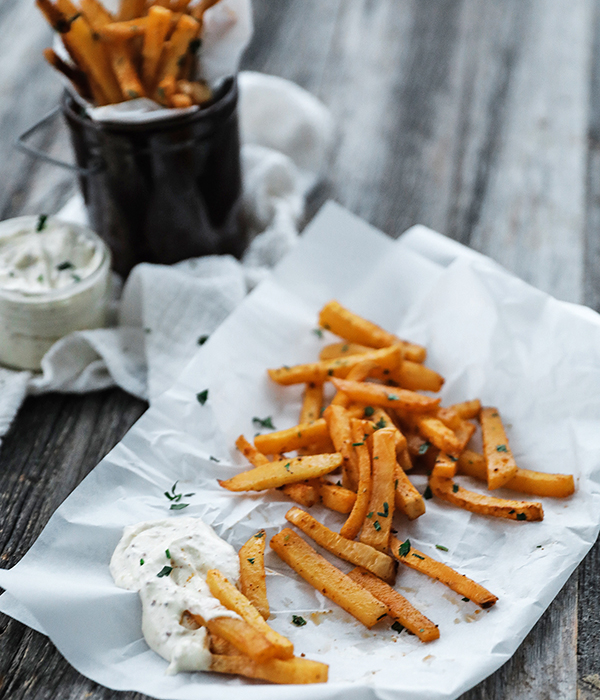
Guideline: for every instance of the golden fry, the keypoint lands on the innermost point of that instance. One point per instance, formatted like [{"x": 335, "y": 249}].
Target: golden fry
[
  {"x": 129, "y": 82},
  {"x": 186, "y": 30},
  {"x": 312, "y": 402},
  {"x": 242, "y": 635},
  {"x": 406, "y": 496},
  {"x": 351, "y": 527},
  {"x": 378, "y": 521},
  {"x": 379, "y": 395},
  {"x": 304, "y": 493},
  {"x": 291, "y": 671},
  {"x": 299, "y": 436},
  {"x": 252, "y": 572},
  {"x": 501, "y": 465},
  {"x": 159, "y": 23},
  {"x": 326, "y": 578},
  {"x": 338, "y": 422},
  {"x": 129, "y": 9},
  {"x": 336, "y": 497}
]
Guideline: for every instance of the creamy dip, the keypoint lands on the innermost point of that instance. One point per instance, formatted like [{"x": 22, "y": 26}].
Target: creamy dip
[
  {"x": 167, "y": 562},
  {"x": 54, "y": 279}
]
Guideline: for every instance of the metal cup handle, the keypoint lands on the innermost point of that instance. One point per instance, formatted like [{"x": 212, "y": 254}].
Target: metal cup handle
[{"x": 22, "y": 145}]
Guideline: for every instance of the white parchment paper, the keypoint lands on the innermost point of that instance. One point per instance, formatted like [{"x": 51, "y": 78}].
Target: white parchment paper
[{"x": 491, "y": 335}]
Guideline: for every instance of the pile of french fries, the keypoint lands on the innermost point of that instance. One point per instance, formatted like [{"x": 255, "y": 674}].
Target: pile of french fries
[
  {"x": 148, "y": 49},
  {"x": 378, "y": 427}
]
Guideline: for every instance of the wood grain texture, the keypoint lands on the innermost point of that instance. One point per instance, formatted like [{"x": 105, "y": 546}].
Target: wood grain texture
[{"x": 478, "y": 118}]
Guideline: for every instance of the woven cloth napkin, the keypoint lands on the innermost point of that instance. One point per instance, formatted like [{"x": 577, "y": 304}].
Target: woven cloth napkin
[{"x": 164, "y": 312}]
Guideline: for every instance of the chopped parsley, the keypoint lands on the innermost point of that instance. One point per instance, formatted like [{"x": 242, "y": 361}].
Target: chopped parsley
[
  {"x": 264, "y": 422},
  {"x": 287, "y": 466},
  {"x": 521, "y": 516},
  {"x": 330, "y": 373},
  {"x": 318, "y": 332},
  {"x": 466, "y": 600},
  {"x": 41, "y": 224},
  {"x": 424, "y": 447},
  {"x": 418, "y": 556},
  {"x": 377, "y": 526},
  {"x": 386, "y": 510},
  {"x": 176, "y": 498},
  {"x": 404, "y": 548},
  {"x": 369, "y": 411},
  {"x": 167, "y": 553},
  {"x": 195, "y": 45},
  {"x": 66, "y": 265},
  {"x": 380, "y": 424},
  {"x": 202, "y": 339},
  {"x": 357, "y": 444},
  {"x": 370, "y": 515},
  {"x": 298, "y": 621},
  {"x": 441, "y": 546},
  {"x": 214, "y": 459},
  {"x": 165, "y": 571},
  {"x": 452, "y": 459},
  {"x": 179, "y": 506},
  {"x": 251, "y": 560},
  {"x": 396, "y": 485},
  {"x": 392, "y": 397},
  {"x": 260, "y": 534},
  {"x": 40, "y": 278},
  {"x": 501, "y": 448},
  {"x": 141, "y": 562},
  {"x": 397, "y": 627},
  {"x": 454, "y": 488},
  {"x": 202, "y": 396},
  {"x": 344, "y": 348}
]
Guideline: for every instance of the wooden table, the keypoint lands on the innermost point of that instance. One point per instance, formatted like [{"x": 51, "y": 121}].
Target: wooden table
[{"x": 479, "y": 118}]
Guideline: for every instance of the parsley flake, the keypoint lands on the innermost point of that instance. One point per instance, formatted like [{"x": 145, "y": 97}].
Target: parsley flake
[
  {"x": 318, "y": 332},
  {"x": 441, "y": 546},
  {"x": 202, "y": 397},
  {"x": 264, "y": 422},
  {"x": 66, "y": 265},
  {"x": 202, "y": 339},
  {"x": 392, "y": 397},
  {"x": 466, "y": 600},
  {"x": 521, "y": 516},
  {"x": 377, "y": 526},
  {"x": 75, "y": 278},
  {"x": 179, "y": 506},
  {"x": 501, "y": 448},
  {"x": 369, "y": 411},
  {"x": 251, "y": 560},
  {"x": 380, "y": 424},
  {"x": 259, "y": 534},
  {"x": 141, "y": 562},
  {"x": 454, "y": 488},
  {"x": 214, "y": 459},
  {"x": 424, "y": 447},
  {"x": 418, "y": 556},
  {"x": 397, "y": 627},
  {"x": 357, "y": 444},
  {"x": 287, "y": 466},
  {"x": 386, "y": 510},
  {"x": 344, "y": 348},
  {"x": 165, "y": 571},
  {"x": 167, "y": 553},
  {"x": 298, "y": 621},
  {"x": 404, "y": 548},
  {"x": 41, "y": 224},
  {"x": 370, "y": 515}
]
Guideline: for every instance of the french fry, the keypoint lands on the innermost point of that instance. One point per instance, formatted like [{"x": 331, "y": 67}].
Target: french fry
[
  {"x": 398, "y": 607},
  {"x": 406, "y": 496},
  {"x": 434, "y": 431},
  {"x": 305, "y": 493},
  {"x": 356, "y": 553},
  {"x": 468, "y": 409},
  {"x": 217, "y": 645},
  {"x": 239, "y": 633},
  {"x": 129, "y": 9},
  {"x": 303, "y": 435},
  {"x": 180, "y": 101},
  {"x": 232, "y": 599},
  {"x": 197, "y": 91},
  {"x": 158, "y": 24},
  {"x": 198, "y": 10},
  {"x": 312, "y": 403},
  {"x": 324, "y": 370},
  {"x": 326, "y": 578},
  {"x": 83, "y": 44},
  {"x": 501, "y": 465},
  {"x": 335, "y": 318},
  {"x": 351, "y": 527},
  {"x": 95, "y": 13},
  {"x": 404, "y": 459},
  {"x": 336, "y": 497},
  {"x": 525, "y": 480},
  {"x": 380, "y": 419},
  {"x": 445, "y": 465},
  {"x": 378, "y": 521},
  {"x": 186, "y": 30},
  {"x": 338, "y": 422},
  {"x": 357, "y": 374},
  {"x": 379, "y": 395},
  {"x": 294, "y": 671},
  {"x": 342, "y": 349},
  {"x": 122, "y": 31},
  {"x": 407, "y": 555},
  {"x": 129, "y": 82},
  {"x": 250, "y": 452},
  {"x": 56, "y": 18},
  {"x": 76, "y": 76},
  {"x": 447, "y": 490},
  {"x": 284, "y": 471},
  {"x": 252, "y": 572}
]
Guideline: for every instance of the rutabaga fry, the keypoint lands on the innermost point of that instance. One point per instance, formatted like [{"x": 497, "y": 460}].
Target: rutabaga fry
[
  {"x": 335, "y": 318},
  {"x": 398, "y": 607},
  {"x": 299, "y": 436},
  {"x": 312, "y": 402},
  {"x": 356, "y": 553},
  {"x": 159, "y": 23},
  {"x": 294, "y": 671},
  {"x": 129, "y": 82},
  {"x": 284, "y": 471},
  {"x": 406, "y": 496},
  {"x": 324, "y": 370},
  {"x": 447, "y": 490},
  {"x": 338, "y": 422},
  {"x": 379, "y": 395},
  {"x": 239, "y": 633},
  {"x": 501, "y": 465},
  {"x": 336, "y": 497},
  {"x": 525, "y": 480},
  {"x": 407, "y": 555},
  {"x": 186, "y": 30},
  {"x": 252, "y": 572},
  {"x": 326, "y": 578},
  {"x": 377, "y": 524},
  {"x": 351, "y": 527}
]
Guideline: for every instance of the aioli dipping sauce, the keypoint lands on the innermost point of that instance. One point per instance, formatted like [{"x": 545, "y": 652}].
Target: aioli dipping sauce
[
  {"x": 54, "y": 279},
  {"x": 167, "y": 562}
]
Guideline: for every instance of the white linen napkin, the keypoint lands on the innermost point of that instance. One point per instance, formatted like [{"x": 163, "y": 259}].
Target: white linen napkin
[{"x": 286, "y": 134}]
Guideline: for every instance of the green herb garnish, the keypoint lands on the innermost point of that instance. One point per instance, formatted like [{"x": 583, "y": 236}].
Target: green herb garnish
[
  {"x": 168, "y": 553},
  {"x": 298, "y": 621},
  {"x": 418, "y": 556},
  {"x": 202, "y": 339},
  {"x": 141, "y": 562},
  {"x": 377, "y": 526},
  {"x": 357, "y": 444},
  {"x": 369, "y": 411},
  {"x": 165, "y": 571},
  {"x": 380, "y": 424},
  {"x": 424, "y": 447},
  {"x": 179, "y": 506},
  {"x": 251, "y": 560},
  {"x": 454, "y": 488},
  {"x": 202, "y": 397},
  {"x": 214, "y": 459},
  {"x": 501, "y": 448},
  {"x": 441, "y": 546},
  {"x": 66, "y": 265},
  {"x": 427, "y": 494},
  {"x": 264, "y": 422},
  {"x": 41, "y": 224},
  {"x": 386, "y": 510},
  {"x": 521, "y": 516},
  {"x": 392, "y": 397},
  {"x": 318, "y": 332},
  {"x": 404, "y": 548}
]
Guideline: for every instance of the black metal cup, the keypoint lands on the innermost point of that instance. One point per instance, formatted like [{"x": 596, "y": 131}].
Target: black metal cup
[{"x": 162, "y": 191}]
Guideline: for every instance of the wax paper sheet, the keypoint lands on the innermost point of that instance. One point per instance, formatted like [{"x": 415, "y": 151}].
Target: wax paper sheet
[{"x": 491, "y": 335}]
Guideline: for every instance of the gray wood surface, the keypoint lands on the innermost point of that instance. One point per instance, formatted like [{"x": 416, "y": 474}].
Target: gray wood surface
[{"x": 479, "y": 118}]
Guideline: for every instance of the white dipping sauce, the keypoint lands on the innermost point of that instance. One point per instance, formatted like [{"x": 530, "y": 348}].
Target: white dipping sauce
[
  {"x": 53, "y": 281},
  {"x": 193, "y": 548}
]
